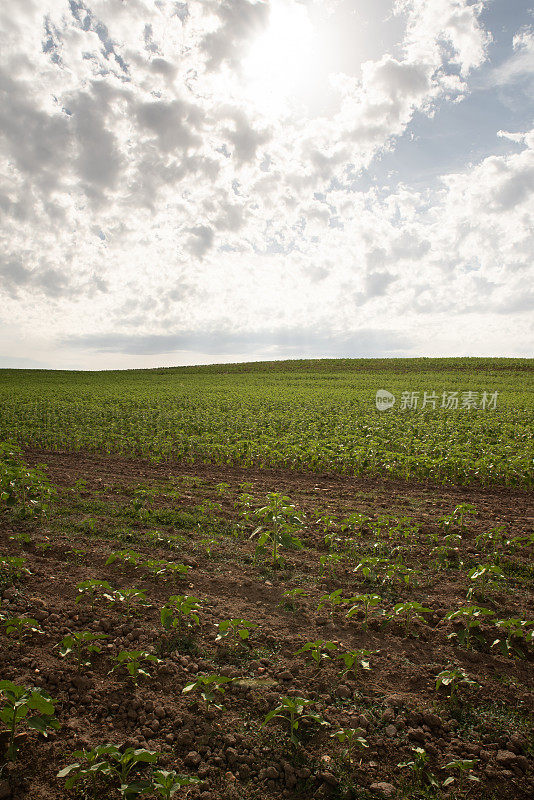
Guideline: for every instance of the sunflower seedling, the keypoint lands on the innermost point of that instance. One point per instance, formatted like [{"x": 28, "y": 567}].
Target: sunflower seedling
[
  {"x": 131, "y": 661},
  {"x": 365, "y": 601},
  {"x": 319, "y": 651},
  {"x": 484, "y": 576},
  {"x": 90, "y": 764},
  {"x": 517, "y": 632},
  {"x": 208, "y": 686},
  {"x": 34, "y": 706},
  {"x": 279, "y": 523},
  {"x": 82, "y": 644},
  {"x": 353, "y": 738},
  {"x": 355, "y": 660},
  {"x": 464, "y": 770},
  {"x": 235, "y": 630},
  {"x": 452, "y": 679},
  {"x": 333, "y": 600},
  {"x": 293, "y": 595},
  {"x": 418, "y": 766},
  {"x": 294, "y": 710},
  {"x": 165, "y": 784},
  {"x": 20, "y": 626},
  {"x": 469, "y": 619},
  {"x": 410, "y": 611},
  {"x": 90, "y": 589}
]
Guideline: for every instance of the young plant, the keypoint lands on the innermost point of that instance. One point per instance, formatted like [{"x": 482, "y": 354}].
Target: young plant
[
  {"x": 90, "y": 764},
  {"x": 12, "y": 568},
  {"x": 365, "y": 601},
  {"x": 292, "y": 596},
  {"x": 294, "y": 710},
  {"x": 484, "y": 576},
  {"x": 410, "y": 611},
  {"x": 318, "y": 651},
  {"x": 355, "y": 660},
  {"x": 20, "y": 626},
  {"x": 330, "y": 562},
  {"x": 125, "y": 557},
  {"x": 128, "y": 598},
  {"x": 279, "y": 523},
  {"x": 208, "y": 686},
  {"x": 458, "y": 517},
  {"x": 131, "y": 661},
  {"x": 90, "y": 589},
  {"x": 34, "y": 706},
  {"x": 353, "y": 738},
  {"x": 122, "y": 765},
  {"x": 464, "y": 769},
  {"x": 469, "y": 619},
  {"x": 235, "y": 630},
  {"x": 452, "y": 678},
  {"x": 517, "y": 632},
  {"x": 491, "y": 541},
  {"x": 165, "y": 784},
  {"x": 419, "y": 768},
  {"x": 369, "y": 567},
  {"x": 82, "y": 644},
  {"x": 158, "y": 568},
  {"x": 334, "y": 600},
  {"x": 181, "y": 612}
]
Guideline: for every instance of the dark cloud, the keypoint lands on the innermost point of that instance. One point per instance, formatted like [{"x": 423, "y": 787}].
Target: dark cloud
[{"x": 292, "y": 342}]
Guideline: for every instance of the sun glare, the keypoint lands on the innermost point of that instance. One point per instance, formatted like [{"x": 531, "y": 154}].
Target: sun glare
[{"x": 281, "y": 59}]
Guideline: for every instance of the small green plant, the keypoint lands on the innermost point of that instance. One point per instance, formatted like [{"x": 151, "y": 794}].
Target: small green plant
[
  {"x": 318, "y": 651},
  {"x": 419, "y": 768},
  {"x": 161, "y": 569},
  {"x": 90, "y": 764},
  {"x": 91, "y": 589},
  {"x": 294, "y": 710},
  {"x": 293, "y": 595},
  {"x": 20, "y": 626},
  {"x": 131, "y": 660},
  {"x": 469, "y": 619},
  {"x": 82, "y": 644},
  {"x": 410, "y": 611},
  {"x": 369, "y": 567},
  {"x": 279, "y": 523},
  {"x": 111, "y": 763},
  {"x": 453, "y": 678},
  {"x": 353, "y": 738},
  {"x": 125, "y": 557},
  {"x": 463, "y": 767},
  {"x": 517, "y": 634},
  {"x": 330, "y": 562},
  {"x": 128, "y": 599},
  {"x": 24, "y": 491},
  {"x": 34, "y": 706},
  {"x": 237, "y": 631},
  {"x": 355, "y": 660},
  {"x": 12, "y": 569},
  {"x": 165, "y": 784},
  {"x": 365, "y": 602},
  {"x": 181, "y": 612},
  {"x": 458, "y": 517},
  {"x": 208, "y": 686},
  {"x": 491, "y": 541},
  {"x": 484, "y": 576},
  {"x": 334, "y": 601}
]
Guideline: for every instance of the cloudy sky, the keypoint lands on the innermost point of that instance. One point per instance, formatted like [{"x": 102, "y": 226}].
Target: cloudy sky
[{"x": 228, "y": 180}]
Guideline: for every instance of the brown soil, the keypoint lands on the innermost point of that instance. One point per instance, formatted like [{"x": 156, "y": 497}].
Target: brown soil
[{"x": 395, "y": 703}]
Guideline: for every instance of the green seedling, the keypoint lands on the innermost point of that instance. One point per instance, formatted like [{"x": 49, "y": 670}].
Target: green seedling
[
  {"x": 355, "y": 660},
  {"x": 131, "y": 661},
  {"x": 353, "y": 738},
  {"x": 330, "y": 562},
  {"x": 125, "y": 557},
  {"x": 369, "y": 567},
  {"x": 235, "y": 630},
  {"x": 400, "y": 572},
  {"x": 208, "y": 687},
  {"x": 12, "y": 569},
  {"x": 222, "y": 488},
  {"x": 517, "y": 632},
  {"x": 355, "y": 523},
  {"x": 410, "y": 611},
  {"x": 90, "y": 589},
  {"x": 469, "y": 619},
  {"x": 122, "y": 766},
  {"x": 82, "y": 644},
  {"x": 279, "y": 523},
  {"x": 24, "y": 491},
  {"x": 90, "y": 764},
  {"x": 34, "y": 706},
  {"x": 165, "y": 784},
  {"x": 419, "y": 768},
  {"x": 140, "y": 504},
  {"x": 158, "y": 568},
  {"x": 127, "y": 598},
  {"x": 453, "y": 678},
  {"x": 334, "y": 601},
  {"x": 20, "y": 626},
  {"x": 365, "y": 601},
  {"x": 446, "y": 556},
  {"x": 181, "y": 612},
  {"x": 464, "y": 769},
  {"x": 294, "y": 710},
  {"x": 20, "y": 538},
  {"x": 491, "y": 541},
  {"x": 208, "y": 543},
  {"x": 485, "y": 576},
  {"x": 293, "y": 595},
  {"x": 458, "y": 517},
  {"x": 318, "y": 651}
]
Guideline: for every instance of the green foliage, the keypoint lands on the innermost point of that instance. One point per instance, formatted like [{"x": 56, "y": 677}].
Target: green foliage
[
  {"x": 181, "y": 612},
  {"x": 19, "y": 626},
  {"x": 463, "y": 767},
  {"x": 294, "y": 711},
  {"x": 469, "y": 620},
  {"x": 518, "y": 634},
  {"x": 12, "y": 568},
  {"x": 333, "y": 600},
  {"x": 91, "y": 589},
  {"x": 237, "y": 631},
  {"x": 485, "y": 576},
  {"x": 131, "y": 661},
  {"x": 116, "y": 766},
  {"x": 453, "y": 678},
  {"x": 33, "y": 706},
  {"x": 355, "y": 660},
  {"x": 318, "y": 651},
  {"x": 23, "y": 490},
  {"x": 81, "y": 644},
  {"x": 458, "y": 518},
  {"x": 410, "y": 611},
  {"x": 165, "y": 784},
  {"x": 208, "y": 686},
  {"x": 279, "y": 524},
  {"x": 365, "y": 602},
  {"x": 353, "y": 738}
]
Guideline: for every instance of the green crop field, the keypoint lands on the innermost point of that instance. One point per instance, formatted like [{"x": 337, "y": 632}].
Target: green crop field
[{"x": 306, "y": 415}]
